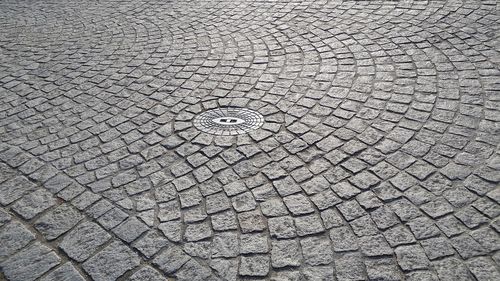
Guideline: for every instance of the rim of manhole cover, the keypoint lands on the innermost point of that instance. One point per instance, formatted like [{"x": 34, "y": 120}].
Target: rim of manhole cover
[{"x": 228, "y": 121}]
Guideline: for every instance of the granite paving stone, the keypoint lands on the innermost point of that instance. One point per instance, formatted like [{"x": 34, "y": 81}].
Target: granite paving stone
[
  {"x": 316, "y": 250},
  {"x": 14, "y": 236},
  {"x": 257, "y": 265},
  {"x": 65, "y": 272},
  {"x": 249, "y": 140},
  {"x": 34, "y": 203},
  {"x": 285, "y": 253},
  {"x": 146, "y": 273},
  {"x": 82, "y": 241},
  {"x": 29, "y": 263},
  {"x": 411, "y": 257},
  {"x": 57, "y": 221},
  {"x": 112, "y": 262}
]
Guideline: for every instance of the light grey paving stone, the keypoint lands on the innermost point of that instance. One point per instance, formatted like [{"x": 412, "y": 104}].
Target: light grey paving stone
[
  {"x": 383, "y": 217},
  {"x": 273, "y": 207},
  {"x": 225, "y": 268},
  {"x": 282, "y": 227},
  {"x": 6, "y": 172},
  {"x": 316, "y": 250},
  {"x": 57, "y": 221},
  {"x": 380, "y": 127},
  {"x": 199, "y": 249},
  {"x": 466, "y": 246},
  {"x": 343, "y": 239},
  {"x": 374, "y": 246},
  {"x": 112, "y": 218},
  {"x": 111, "y": 262},
  {"x": 483, "y": 268},
  {"x": 451, "y": 268},
  {"x": 383, "y": 269},
  {"x": 351, "y": 210},
  {"x": 309, "y": 224},
  {"x": 15, "y": 188},
  {"x": 286, "y": 276},
  {"x": 4, "y": 217},
  {"x": 437, "y": 247},
  {"x": 30, "y": 263},
  {"x": 170, "y": 260},
  {"x": 298, "y": 204},
  {"x": 195, "y": 214},
  {"x": 223, "y": 221},
  {"x": 320, "y": 273},
  {"x": 488, "y": 238},
  {"x": 197, "y": 232},
  {"x": 66, "y": 272},
  {"x": 225, "y": 245},
  {"x": 422, "y": 275},
  {"x": 364, "y": 226},
  {"x": 13, "y": 237},
  {"x": 411, "y": 257},
  {"x": 146, "y": 273},
  {"x": 254, "y": 243},
  {"x": 286, "y": 186},
  {"x": 193, "y": 270},
  {"x": 244, "y": 202},
  {"x": 172, "y": 230},
  {"x": 130, "y": 229},
  {"x": 423, "y": 227},
  {"x": 285, "y": 253},
  {"x": 34, "y": 203},
  {"x": 151, "y": 243},
  {"x": 257, "y": 265},
  {"x": 350, "y": 267},
  {"x": 82, "y": 241},
  {"x": 217, "y": 202},
  {"x": 252, "y": 221},
  {"x": 399, "y": 235},
  {"x": 331, "y": 218}
]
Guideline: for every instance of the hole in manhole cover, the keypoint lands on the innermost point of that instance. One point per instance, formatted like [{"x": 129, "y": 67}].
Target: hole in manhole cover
[{"x": 228, "y": 121}]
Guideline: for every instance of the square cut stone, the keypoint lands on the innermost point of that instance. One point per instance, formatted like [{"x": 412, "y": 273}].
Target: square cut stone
[{"x": 81, "y": 242}]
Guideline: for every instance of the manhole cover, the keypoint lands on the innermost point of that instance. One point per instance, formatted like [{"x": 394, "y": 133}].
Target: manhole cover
[{"x": 228, "y": 121}]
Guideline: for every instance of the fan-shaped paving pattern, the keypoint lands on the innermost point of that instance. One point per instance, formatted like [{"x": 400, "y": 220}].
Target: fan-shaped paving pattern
[{"x": 378, "y": 158}]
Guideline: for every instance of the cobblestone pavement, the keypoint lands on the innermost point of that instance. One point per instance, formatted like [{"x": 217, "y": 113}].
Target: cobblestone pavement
[{"x": 379, "y": 158}]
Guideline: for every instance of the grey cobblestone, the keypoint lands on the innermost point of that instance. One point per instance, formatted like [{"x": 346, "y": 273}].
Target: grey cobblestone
[
  {"x": 377, "y": 160},
  {"x": 146, "y": 273},
  {"x": 14, "y": 189},
  {"x": 254, "y": 265},
  {"x": 285, "y": 253},
  {"x": 130, "y": 229},
  {"x": 112, "y": 262},
  {"x": 84, "y": 240},
  {"x": 30, "y": 263},
  {"x": 411, "y": 257},
  {"x": 350, "y": 267},
  {"x": 34, "y": 203},
  {"x": 65, "y": 272},
  {"x": 254, "y": 243},
  {"x": 57, "y": 221},
  {"x": 316, "y": 250},
  {"x": 14, "y": 236}
]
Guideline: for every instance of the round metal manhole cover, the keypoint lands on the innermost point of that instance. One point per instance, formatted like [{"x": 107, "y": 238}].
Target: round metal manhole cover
[{"x": 228, "y": 121}]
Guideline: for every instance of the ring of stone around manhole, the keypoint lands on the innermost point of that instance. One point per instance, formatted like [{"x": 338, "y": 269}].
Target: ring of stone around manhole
[{"x": 228, "y": 121}]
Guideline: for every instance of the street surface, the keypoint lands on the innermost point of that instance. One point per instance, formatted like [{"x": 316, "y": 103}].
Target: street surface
[{"x": 372, "y": 152}]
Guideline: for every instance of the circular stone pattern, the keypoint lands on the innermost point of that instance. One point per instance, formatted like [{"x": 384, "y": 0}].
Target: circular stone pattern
[{"x": 228, "y": 121}]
